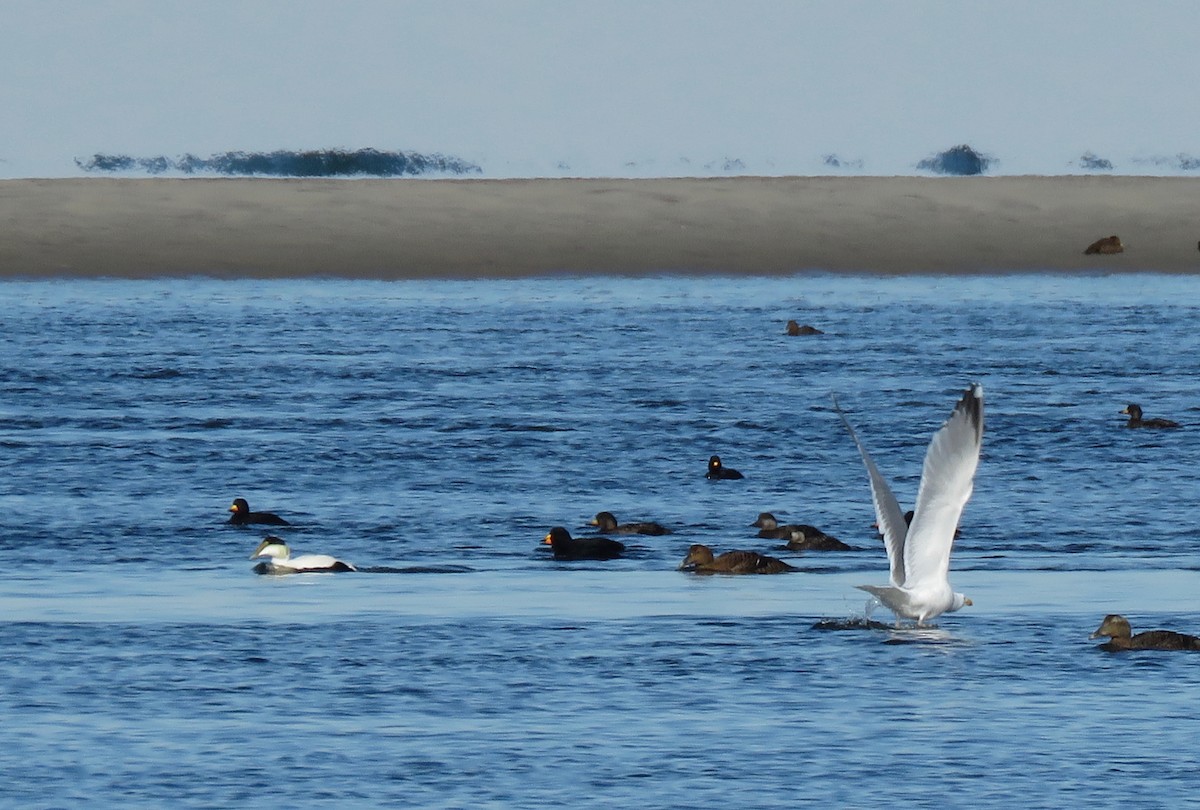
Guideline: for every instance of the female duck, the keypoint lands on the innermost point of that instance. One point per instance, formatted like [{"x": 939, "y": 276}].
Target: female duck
[
  {"x": 701, "y": 560},
  {"x": 800, "y": 536},
  {"x": 280, "y": 560},
  {"x": 606, "y": 523},
  {"x": 1121, "y": 637},
  {"x": 1136, "y": 421},
  {"x": 800, "y": 539}
]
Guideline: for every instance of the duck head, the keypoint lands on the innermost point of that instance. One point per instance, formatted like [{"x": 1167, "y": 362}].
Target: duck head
[
  {"x": 1113, "y": 626},
  {"x": 698, "y": 554},
  {"x": 272, "y": 547}
]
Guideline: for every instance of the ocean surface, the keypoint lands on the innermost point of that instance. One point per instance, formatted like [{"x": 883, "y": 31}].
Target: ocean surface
[{"x": 432, "y": 433}]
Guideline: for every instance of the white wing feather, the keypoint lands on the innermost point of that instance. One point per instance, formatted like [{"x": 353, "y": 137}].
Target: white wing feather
[
  {"x": 887, "y": 509},
  {"x": 946, "y": 484}
]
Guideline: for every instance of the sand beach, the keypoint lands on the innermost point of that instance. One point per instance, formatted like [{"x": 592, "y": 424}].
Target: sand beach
[{"x": 401, "y": 229}]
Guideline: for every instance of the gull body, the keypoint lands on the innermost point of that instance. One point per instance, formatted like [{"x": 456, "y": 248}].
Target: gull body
[{"x": 919, "y": 554}]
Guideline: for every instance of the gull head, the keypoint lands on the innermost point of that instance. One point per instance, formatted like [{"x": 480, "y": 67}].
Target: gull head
[{"x": 958, "y": 602}]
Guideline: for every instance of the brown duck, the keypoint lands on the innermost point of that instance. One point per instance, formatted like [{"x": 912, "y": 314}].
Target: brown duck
[
  {"x": 700, "y": 560},
  {"x": 801, "y": 540},
  {"x": 1107, "y": 245},
  {"x": 1121, "y": 637},
  {"x": 606, "y": 523},
  {"x": 796, "y": 330},
  {"x": 806, "y": 537}
]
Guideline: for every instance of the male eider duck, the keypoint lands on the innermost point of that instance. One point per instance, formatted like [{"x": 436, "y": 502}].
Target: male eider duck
[
  {"x": 719, "y": 472},
  {"x": 796, "y": 330},
  {"x": 242, "y": 515},
  {"x": 700, "y": 559},
  {"x": 1121, "y": 637},
  {"x": 1134, "y": 411},
  {"x": 1107, "y": 245},
  {"x": 567, "y": 547},
  {"x": 281, "y": 561},
  {"x": 606, "y": 523},
  {"x": 805, "y": 537}
]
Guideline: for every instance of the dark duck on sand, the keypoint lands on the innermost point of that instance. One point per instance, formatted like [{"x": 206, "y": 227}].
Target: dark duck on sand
[
  {"x": 1105, "y": 246},
  {"x": 606, "y": 523},
  {"x": 719, "y": 472},
  {"x": 700, "y": 559},
  {"x": 1134, "y": 411},
  {"x": 242, "y": 516},
  {"x": 1120, "y": 635},
  {"x": 567, "y": 547}
]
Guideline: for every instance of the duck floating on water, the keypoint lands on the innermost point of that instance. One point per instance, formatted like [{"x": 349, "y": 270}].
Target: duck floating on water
[
  {"x": 806, "y": 537},
  {"x": 567, "y": 547},
  {"x": 280, "y": 560},
  {"x": 801, "y": 540},
  {"x": 242, "y": 516},
  {"x": 700, "y": 559},
  {"x": 1120, "y": 635},
  {"x": 1134, "y": 411},
  {"x": 719, "y": 472},
  {"x": 794, "y": 329},
  {"x": 606, "y": 523}
]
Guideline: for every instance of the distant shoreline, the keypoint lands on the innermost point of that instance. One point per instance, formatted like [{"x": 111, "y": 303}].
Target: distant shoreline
[{"x": 476, "y": 228}]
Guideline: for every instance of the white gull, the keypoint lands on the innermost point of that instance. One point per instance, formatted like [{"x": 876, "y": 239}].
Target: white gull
[{"x": 919, "y": 554}]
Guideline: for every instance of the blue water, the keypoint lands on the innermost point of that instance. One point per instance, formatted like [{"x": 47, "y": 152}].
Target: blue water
[{"x": 437, "y": 430}]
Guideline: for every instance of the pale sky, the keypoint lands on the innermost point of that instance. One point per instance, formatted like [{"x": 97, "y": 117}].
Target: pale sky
[{"x": 522, "y": 86}]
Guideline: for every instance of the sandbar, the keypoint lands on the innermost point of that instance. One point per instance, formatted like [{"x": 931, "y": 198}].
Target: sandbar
[{"x": 426, "y": 228}]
